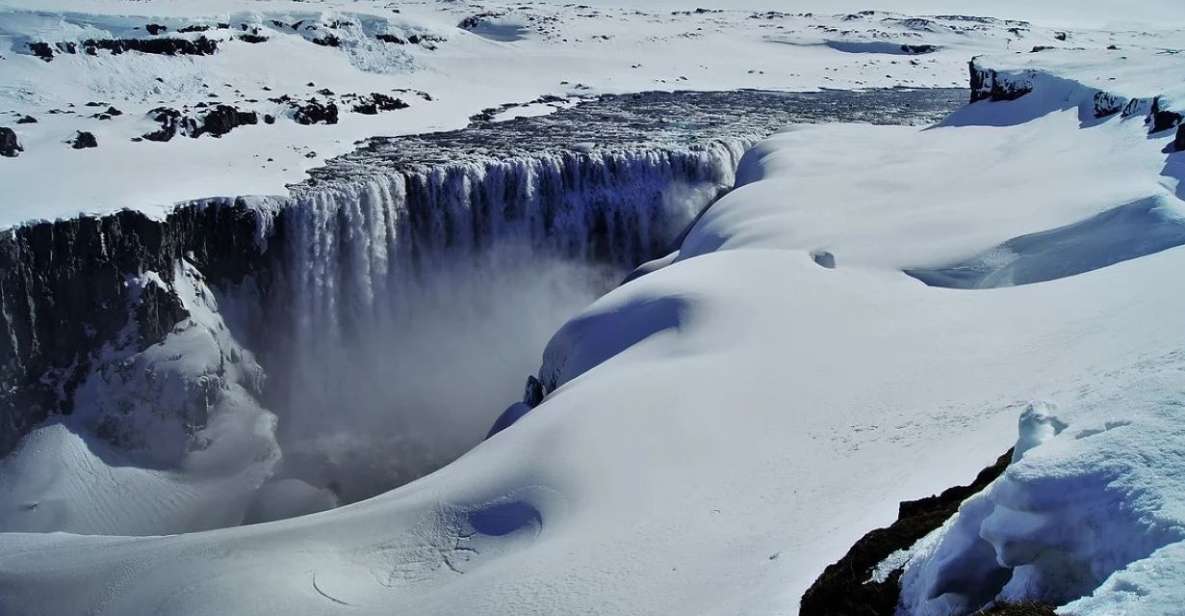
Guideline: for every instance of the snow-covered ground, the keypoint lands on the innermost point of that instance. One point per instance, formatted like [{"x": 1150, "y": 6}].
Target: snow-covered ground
[
  {"x": 329, "y": 51},
  {"x": 718, "y": 430}
]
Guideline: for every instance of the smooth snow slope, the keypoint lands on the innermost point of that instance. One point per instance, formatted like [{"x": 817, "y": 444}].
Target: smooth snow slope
[
  {"x": 557, "y": 50},
  {"x": 727, "y": 425}
]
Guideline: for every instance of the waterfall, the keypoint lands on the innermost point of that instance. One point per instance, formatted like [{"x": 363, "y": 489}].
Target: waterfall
[{"x": 415, "y": 298}]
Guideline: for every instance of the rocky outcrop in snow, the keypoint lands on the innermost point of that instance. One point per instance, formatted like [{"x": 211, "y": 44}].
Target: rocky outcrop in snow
[
  {"x": 1003, "y": 78},
  {"x": 10, "y": 146}
]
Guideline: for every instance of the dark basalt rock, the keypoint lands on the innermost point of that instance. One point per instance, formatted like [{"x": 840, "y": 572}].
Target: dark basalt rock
[
  {"x": 252, "y": 38},
  {"x": 64, "y": 294},
  {"x": 844, "y": 590},
  {"x": 225, "y": 118},
  {"x": 201, "y": 46},
  {"x": 41, "y": 50},
  {"x": 155, "y": 29},
  {"x": 987, "y": 85},
  {"x": 221, "y": 119},
  {"x": 164, "y": 46},
  {"x": 314, "y": 113},
  {"x": 27, "y": 120},
  {"x": 390, "y": 38},
  {"x": 171, "y": 122},
  {"x": 919, "y": 49},
  {"x": 329, "y": 40},
  {"x": 1161, "y": 119},
  {"x": 474, "y": 21},
  {"x": 84, "y": 140},
  {"x": 533, "y": 392},
  {"x": 269, "y": 118},
  {"x": 10, "y": 146},
  {"x": 1106, "y": 104},
  {"x": 377, "y": 102}
]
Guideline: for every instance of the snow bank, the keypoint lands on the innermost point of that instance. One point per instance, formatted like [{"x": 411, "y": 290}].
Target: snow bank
[{"x": 1089, "y": 515}]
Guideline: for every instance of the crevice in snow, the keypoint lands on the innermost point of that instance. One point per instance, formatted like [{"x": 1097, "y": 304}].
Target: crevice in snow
[{"x": 867, "y": 579}]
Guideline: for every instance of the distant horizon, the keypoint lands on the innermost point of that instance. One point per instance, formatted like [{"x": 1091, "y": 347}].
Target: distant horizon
[
  {"x": 1056, "y": 12},
  {"x": 1150, "y": 14}
]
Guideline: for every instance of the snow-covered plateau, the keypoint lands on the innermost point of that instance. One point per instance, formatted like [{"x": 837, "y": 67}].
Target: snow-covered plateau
[{"x": 772, "y": 278}]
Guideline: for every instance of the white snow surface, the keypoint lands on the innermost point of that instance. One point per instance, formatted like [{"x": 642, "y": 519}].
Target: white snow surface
[
  {"x": 730, "y": 422},
  {"x": 559, "y": 49}
]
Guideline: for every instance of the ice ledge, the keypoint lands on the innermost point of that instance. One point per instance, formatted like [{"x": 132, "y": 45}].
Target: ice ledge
[{"x": 1100, "y": 82}]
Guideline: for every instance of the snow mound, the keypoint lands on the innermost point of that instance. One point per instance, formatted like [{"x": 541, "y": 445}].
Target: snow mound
[{"x": 1089, "y": 515}]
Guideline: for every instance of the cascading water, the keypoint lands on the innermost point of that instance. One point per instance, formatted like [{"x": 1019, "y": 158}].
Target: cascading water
[
  {"x": 420, "y": 299},
  {"x": 323, "y": 347}
]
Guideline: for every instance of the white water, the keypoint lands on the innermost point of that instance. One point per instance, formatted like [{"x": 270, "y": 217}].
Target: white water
[{"x": 419, "y": 301}]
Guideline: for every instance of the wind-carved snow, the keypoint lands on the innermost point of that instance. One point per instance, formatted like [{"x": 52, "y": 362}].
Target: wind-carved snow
[{"x": 1088, "y": 515}]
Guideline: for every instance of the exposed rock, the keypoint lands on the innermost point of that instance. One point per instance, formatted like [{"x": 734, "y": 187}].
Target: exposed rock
[
  {"x": 1106, "y": 104},
  {"x": 155, "y": 29},
  {"x": 41, "y": 50},
  {"x": 201, "y": 46},
  {"x": 533, "y": 392},
  {"x": 329, "y": 40},
  {"x": 986, "y": 84},
  {"x": 63, "y": 294},
  {"x": 314, "y": 112},
  {"x": 252, "y": 38},
  {"x": 27, "y": 120},
  {"x": 1162, "y": 119},
  {"x": 84, "y": 140},
  {"x": 846, "y": 588},
  {"x": 1179, "y": 140},
  {"x": 919, "y": 49},
  {"x": 823, "y": 259},
  {"x": 269, "y": 118},
  {"x": 377, "y": 102},
  {"x": 220, "y": 120},
  {"x": 171, "y": 122},
  {"x": 10, "y": 146},
  {"x": 225, "y": 118}
]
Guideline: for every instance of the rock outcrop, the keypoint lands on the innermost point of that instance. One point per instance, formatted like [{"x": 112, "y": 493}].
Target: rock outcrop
[
  {"x": 83, "y": 140},
  {"x": 848, "y": 587},
  {"x": 200, "y": 46},
  {"x": 10, "y": 146},
  {"x": 987, "y": 84}
]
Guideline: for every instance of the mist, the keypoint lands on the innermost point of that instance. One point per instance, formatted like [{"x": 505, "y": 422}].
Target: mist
[{"x": 419, "y": 383}]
